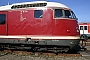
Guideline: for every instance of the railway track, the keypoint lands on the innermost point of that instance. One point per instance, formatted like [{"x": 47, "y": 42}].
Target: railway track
[{"x": 47, "y": 54}]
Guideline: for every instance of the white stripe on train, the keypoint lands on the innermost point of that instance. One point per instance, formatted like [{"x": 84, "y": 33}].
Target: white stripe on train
[{"x": 43, "y": 37}]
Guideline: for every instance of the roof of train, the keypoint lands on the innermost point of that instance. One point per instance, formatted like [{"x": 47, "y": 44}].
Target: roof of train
[
  {"x": 85, "y": 23},
  {"x": 49, "y": 4}
]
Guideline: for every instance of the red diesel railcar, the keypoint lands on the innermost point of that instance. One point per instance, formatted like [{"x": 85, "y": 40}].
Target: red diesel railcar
[{"x": 38, "y": 25}]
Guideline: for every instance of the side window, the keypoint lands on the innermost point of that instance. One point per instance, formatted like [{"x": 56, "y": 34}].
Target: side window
[
  {"x": 2, "y": 18},
  {"x": 38, "y": 13},
  {"x": 85, "y": 27},
  {"x": 81, "y": 27},
  {"x": 58, "y": 13}
]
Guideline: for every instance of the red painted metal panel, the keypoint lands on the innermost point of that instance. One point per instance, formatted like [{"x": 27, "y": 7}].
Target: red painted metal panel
[
  {"x": 3, "y": 29},
  {"x": 88, "y": 28},
  {"x": 65, "y": 27},
  {"x": 47, "y": 22},
  {"x": 46, "y": 26},
  {"x": 17, "y": 26}
]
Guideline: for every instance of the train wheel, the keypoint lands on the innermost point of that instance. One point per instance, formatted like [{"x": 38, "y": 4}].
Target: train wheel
[
  {"x": 84, "y": 38},
  {"x": 75, "y": 50}
]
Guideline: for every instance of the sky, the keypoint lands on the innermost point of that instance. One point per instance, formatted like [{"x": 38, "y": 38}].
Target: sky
[{"x": 81, "y": 8}]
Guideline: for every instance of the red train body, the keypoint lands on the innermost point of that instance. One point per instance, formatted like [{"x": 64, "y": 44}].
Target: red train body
[{"x": 50, "y": 22}]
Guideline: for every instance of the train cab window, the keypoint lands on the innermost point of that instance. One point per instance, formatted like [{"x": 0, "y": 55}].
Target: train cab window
[
  {"x": 67, "y": 14},
  {"x": 73, "y": 15},
  {"x": 81, "y": 27},
  {"x": 38, "y": 13},
  {"x": 85, "y": 27},
  {"x": 58, "y": 13},
  {"x": 2, "y": 18}
]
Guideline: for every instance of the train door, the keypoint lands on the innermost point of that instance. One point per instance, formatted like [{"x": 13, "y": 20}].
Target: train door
[
  {"x": 43, "y": 21},
  {"x": 47, "y": 21},
  {"x": 38, "y": 15},
  {"x": 3, "y": 24},
  {"x": 83, "y": 29}
]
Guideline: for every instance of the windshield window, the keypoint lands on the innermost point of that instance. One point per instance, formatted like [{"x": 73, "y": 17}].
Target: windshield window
[
  {"x": 73, "y": 15},
  {"x": 81, "y": 27},
  {"x": 58, "y": 13},
  {"x": 69, "y": 14}
]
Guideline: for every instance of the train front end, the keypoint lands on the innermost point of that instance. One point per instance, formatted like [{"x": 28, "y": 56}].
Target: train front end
[{"x": 66, "y": 27}]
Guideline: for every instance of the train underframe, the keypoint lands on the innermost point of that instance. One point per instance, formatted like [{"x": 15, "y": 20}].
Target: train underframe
[{"x": 40, "y": 45}]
